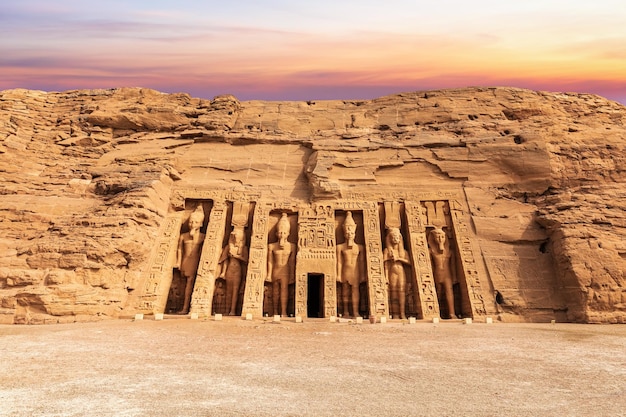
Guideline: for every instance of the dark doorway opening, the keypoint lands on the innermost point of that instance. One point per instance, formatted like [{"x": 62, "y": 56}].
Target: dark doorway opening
[{"x": 315, "y": 295}]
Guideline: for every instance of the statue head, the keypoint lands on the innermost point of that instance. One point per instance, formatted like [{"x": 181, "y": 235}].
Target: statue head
[
  {"x": 237, "y": 235},
  {"x": 282, "y": 230},
  {"x": 349, "y": 228},
  {"x": 196, "y": 218},
  {"x": 394, "y": 237},
  {"x": 438, "y": 238}
]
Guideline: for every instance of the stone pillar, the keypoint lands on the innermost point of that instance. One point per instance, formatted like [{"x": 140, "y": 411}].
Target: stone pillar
[
  {"x": 468, "y": 260},
  {"x": 377, "y": 282},
  {"x": 159, "y": 275},
  {"x": 257, "y": 262},
  {"x": 422, "y": 268},
  {"x": 202, "y": 297}
]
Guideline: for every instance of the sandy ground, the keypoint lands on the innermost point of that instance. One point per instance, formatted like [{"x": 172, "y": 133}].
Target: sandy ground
[{"x": 183, "y": 367}]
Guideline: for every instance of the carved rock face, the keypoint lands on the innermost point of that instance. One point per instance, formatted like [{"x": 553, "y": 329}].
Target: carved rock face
[{"x": 94, "y": 183}]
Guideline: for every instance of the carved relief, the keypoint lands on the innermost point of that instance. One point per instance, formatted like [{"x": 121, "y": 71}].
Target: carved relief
[
  {"x": 390, "y": 276},
  {"x": 316, "y": 262},
  {"x": 444, "y": 268},
  {"x": 255, "y": 296},
  {"x": 350, "y": 268},
  {"x": 233, "y": 266},
  {"x": 395, "y": 258},
  {"x": 159, "y": 278},
  {"x": 188, "y": 254},
  {"x": 468, "y": 262},
  {"x": 424, "y": 291},
  {"x": 377, "y": 281},
  {"x": 281, "y": 266},
  {"x": 395, "y": 261},
  {"x": 233, "y": 260},
  {"x": 203, "y": 290}
]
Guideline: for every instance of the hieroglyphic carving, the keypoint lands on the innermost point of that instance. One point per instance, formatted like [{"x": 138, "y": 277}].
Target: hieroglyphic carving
[
  {"x": 377, "y": 282},
  {"x": 253, "y": 294},
  {"x": 425, "y": 285},
  {"x": 159, "y": 275},
  {"x": 202, "y": 298},
  {"x": 468, "y": 260},
  {"x": 316, "y": 253}
]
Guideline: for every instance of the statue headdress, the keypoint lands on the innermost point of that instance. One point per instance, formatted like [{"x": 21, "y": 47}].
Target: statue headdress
[
  {"x": 348, "y": 223},
  {"x": 283, "y": 223},
  {"x": 198, "y": 214}
]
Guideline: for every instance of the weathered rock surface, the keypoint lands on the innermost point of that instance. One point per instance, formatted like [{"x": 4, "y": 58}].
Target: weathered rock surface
[{"x": 88, "y": 177}]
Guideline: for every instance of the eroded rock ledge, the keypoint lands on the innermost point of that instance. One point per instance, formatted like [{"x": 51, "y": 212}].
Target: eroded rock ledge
[{"x": 89, "y": 178}]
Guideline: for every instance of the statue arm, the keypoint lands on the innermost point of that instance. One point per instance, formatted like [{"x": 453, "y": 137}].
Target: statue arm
[
  {"x": 270, "y": 264},
  {"x": 339, "y": 263},
  {"x": 179, "y": 253},
  {"x": 222, "y": 262},
  {"x": 244, "y": 254}
]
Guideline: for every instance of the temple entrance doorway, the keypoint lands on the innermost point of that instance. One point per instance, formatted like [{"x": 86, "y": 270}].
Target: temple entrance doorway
[{"x": 315, "y": 295}]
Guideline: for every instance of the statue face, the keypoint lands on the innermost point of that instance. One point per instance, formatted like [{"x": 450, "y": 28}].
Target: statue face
[
  {"x": 350, "y": 234},
  {"x": 440, "y": 236},
  {"x": 194, "y": 223},
  {"x": 282, "y": 234},
  {"x": 237, "y": 235},
  {"x": 395, "y": 236}
]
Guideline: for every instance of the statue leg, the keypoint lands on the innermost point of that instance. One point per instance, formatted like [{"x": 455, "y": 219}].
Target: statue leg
[
  {"x": 227, "y": 296},
  {"x": 188, "y": 289},
  {"x": 284, "y": 297},
  {"x": 449, "y": 298},
  {"x": 275, "y": 296},
  {"x": 233, "y": 298},
  {"x": 393, "y": 295},
  {"x": 345, "y": 297},
  {"x": 355, "y": 300},
  {"x": 402, "y": 299}
]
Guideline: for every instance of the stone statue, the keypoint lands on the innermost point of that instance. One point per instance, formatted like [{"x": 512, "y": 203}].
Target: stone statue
[
  {"x": 281, "y": 265},
  {"x": 188, "y": 254},
  {"x": 395, "y": 258},
  {"x": 350, "y": 266},
  {"x": 233, "y": 259},
  {"x": 443, "y": 266}
]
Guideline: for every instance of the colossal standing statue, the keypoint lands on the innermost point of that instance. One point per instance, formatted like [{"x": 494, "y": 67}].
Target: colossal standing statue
[
  {"x": 395, "y": 258},
  {"x": 233, "y": 259},
  {"x": 188, "y": 253},
  {"x": 350, "y": 266},
  {"x": 281, "y": 265},
  {"x": 443, "y": 266}
]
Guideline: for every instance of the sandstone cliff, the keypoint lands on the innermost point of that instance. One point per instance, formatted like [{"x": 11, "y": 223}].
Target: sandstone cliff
[{"x": 87, "y": 178}]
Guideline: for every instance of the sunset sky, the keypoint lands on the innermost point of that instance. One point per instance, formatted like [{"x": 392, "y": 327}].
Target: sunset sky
[{"x": 322, "y": 49}]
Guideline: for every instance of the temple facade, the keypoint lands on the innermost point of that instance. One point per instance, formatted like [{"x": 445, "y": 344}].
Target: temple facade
[{"x": 399, "y": 270}]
